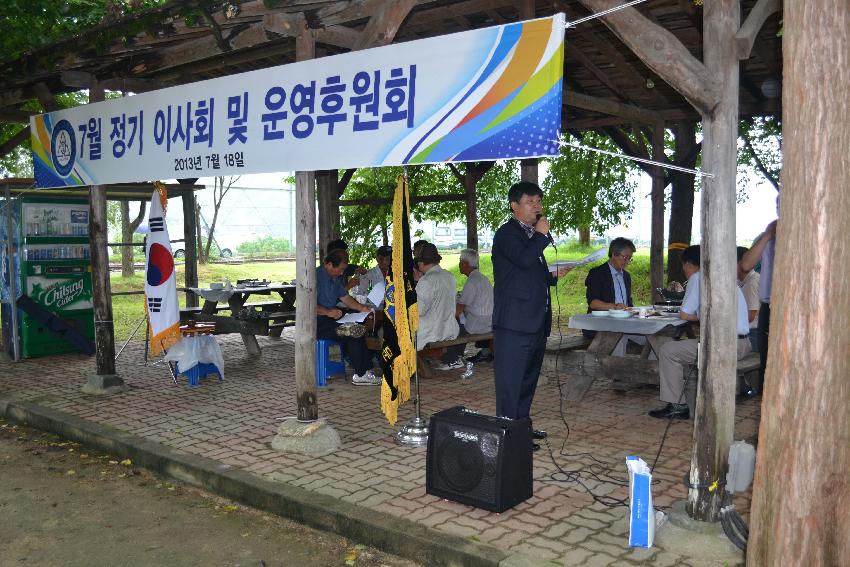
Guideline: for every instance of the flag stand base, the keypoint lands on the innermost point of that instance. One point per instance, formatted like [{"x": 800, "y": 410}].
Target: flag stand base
[{"x": 414, "y": 434}]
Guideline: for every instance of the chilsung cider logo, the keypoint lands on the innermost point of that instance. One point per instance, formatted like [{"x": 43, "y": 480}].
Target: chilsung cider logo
[{"x": 63, "y": 294}]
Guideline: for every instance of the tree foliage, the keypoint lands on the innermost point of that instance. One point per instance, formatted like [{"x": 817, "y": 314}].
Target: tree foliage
[
  {"x": 366, "y": 227},
  {"x": 589, "y": 190},
  {"x": 760, "y": 149}
]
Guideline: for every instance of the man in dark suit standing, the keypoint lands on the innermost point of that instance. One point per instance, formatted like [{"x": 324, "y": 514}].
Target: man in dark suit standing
[{"x": 522, "y": 312}]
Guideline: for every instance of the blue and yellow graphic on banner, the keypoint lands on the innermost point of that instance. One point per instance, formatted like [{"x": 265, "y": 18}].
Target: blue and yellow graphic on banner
[{"x": 486, "y": 94}]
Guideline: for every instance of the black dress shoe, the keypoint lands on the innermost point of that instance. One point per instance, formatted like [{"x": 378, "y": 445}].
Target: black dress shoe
[
  {"x": 674, "y": 411},
  {"x": 535, "y": 447},
  {"x": 479, "y": 357},
  {"x": 538, "y": 434}
]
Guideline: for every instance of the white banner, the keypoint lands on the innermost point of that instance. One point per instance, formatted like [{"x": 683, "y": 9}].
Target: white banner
[{"x": 493, "y": 93}]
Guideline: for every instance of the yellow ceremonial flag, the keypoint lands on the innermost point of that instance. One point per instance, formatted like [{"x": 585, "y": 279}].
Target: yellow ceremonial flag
[{"x": 401, "y": 320}]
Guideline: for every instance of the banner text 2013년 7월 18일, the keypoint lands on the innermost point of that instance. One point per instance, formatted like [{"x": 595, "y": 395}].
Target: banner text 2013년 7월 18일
[{"x": 487, "y": 94}]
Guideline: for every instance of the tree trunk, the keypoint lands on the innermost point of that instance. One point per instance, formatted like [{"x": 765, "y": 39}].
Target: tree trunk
[
  {"x": 327, "y": 189},
  {"x": 202, "y": 258},
  {"x": 128, "y": 227},
  {"x": 681, "y": 202},
  {"x": 470, "y": 179},
  {"x": 801, "y": 495},
  {"x": 584, "y": 235},
  {"x": 190, "y": 247},
  {"x": 714, "y": 422}
]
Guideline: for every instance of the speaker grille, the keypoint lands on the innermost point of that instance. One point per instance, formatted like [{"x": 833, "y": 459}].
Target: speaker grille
[{"x": 479, "y": 460}]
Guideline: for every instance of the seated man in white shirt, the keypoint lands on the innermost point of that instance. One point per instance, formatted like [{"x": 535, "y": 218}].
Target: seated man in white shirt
[
  {"x": 474, "y": 307},
  {"x": 676, "y": 357},
  {"x": 435, "y": 297},
  {"x": 749, "y": 284},
  {"x": 376, "y": 275}
]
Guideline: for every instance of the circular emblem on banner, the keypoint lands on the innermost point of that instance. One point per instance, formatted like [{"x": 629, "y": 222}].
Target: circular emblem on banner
[
  {"x": 160, "y": 265},
  {"x": 63, "y": 148}
]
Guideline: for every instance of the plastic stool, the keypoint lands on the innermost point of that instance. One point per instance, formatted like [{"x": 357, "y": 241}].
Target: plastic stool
[
  {"x": 326, "y": 367},
  {"x": 198, "y": 371}
]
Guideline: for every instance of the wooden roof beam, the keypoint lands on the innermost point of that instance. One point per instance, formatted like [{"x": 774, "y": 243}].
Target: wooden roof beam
[
  {"x": 83, "y": 79},
  {"x": 16, "y": 115},
  {"x": 384, "y": 23},
  {"x": 663, "y": 53},
  {"x": 16, "y": 140},
  {"x": 605, "y": 106},
  {"x": 600, "y": 75},
  {"x": 746, "y": 36}
]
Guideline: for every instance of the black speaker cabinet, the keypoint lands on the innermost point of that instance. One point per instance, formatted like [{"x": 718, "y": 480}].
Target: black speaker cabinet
[{"x": 479, "y": 460}]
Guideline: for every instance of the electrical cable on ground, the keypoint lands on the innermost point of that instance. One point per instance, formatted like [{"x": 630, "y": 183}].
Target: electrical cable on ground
[{"x": 576, "y": 476}]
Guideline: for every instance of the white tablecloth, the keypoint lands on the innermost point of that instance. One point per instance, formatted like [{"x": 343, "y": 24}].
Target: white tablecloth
[{"x": 632, "y": 326}]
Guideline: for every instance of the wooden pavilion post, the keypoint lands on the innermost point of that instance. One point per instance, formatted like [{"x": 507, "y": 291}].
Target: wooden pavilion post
[
  {"x": 104, "y": 329},
  {"x": 528, "y": 170},
  {"x": 656, "y": 247},
  {"x": 801, "y": 496},
  {"x": 714, "y": 423},
  {"x": 190, "y": 245},
  {"x": 305, "y": 268}
]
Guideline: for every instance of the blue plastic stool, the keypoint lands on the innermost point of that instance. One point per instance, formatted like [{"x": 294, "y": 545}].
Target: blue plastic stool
[
  {"x": 198, "y": 371},
  {"x": 325, "y": 367}
]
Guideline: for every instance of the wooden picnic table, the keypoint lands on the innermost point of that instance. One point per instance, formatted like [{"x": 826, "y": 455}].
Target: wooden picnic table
[
  {"x": 248, "y": 319},
  {"x": 628, "y": 370}
]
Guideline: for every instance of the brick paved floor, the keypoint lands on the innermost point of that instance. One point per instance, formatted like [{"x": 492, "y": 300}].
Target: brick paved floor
[{"x": 234, "y": 421}]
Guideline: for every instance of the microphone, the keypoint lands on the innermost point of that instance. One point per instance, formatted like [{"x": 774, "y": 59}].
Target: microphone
[{"x": 548, "y": 234}]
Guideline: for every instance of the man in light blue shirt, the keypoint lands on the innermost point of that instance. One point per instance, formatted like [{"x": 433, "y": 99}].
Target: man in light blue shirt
[{"x": 675, "y": 357}]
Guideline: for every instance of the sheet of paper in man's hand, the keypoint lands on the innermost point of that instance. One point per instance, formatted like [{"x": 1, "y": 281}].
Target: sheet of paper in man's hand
[
  {"x": 352, "y": 318},
  {"x": 556, "y": 265},
  {"x": 376, "y": 296}
]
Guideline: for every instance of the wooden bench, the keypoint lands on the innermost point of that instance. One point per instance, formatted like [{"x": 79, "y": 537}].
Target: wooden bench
[
  {"x": 185, "y": 312},
  {"x": 436, "y": 349}
]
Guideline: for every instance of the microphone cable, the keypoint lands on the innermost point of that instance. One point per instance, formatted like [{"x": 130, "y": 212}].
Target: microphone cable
[{"x": 598, "y": 471}]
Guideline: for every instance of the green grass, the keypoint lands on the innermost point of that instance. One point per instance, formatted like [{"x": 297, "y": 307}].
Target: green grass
[{"x": 570, "y": 299}]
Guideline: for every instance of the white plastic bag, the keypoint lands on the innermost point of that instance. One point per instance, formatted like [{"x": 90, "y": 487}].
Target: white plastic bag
[
  {"x": 641, "y": 513},
  {"x": 194, "y": 350}
]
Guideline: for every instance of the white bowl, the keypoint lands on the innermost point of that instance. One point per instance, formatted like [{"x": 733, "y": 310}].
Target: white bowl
[
  {"x": 599, "y": 313},
  {"x": 619, "y": 313}
]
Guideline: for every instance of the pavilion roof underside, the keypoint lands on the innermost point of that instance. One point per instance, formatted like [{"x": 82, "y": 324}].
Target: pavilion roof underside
[{"x": 597, "y": 64}]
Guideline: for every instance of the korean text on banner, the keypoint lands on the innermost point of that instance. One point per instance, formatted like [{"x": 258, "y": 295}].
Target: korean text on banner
[
  {"x": 160, "y": 283},
  {"x": 487, "y": 94},
  {"x": 641, "y": 512}
]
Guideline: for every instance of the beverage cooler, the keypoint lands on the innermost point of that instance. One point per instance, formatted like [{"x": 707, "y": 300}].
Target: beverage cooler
[{"x": 51, "y": 261}]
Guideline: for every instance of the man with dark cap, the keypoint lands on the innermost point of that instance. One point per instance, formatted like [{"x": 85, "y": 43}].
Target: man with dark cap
[
  {"x": 435, "y": 295},
  {"x": 522, "y": 311}
]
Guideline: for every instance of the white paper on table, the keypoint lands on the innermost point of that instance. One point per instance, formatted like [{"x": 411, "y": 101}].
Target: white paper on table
[
  {"x": 376, "y": 296},
  {"x": 352, "y": 318}
]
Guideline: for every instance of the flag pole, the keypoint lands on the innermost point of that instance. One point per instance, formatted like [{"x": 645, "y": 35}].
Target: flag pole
[{"x": 415, "y": 433}]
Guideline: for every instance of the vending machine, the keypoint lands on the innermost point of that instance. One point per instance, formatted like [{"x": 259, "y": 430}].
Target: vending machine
[{"x": 50, "y": 258}]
